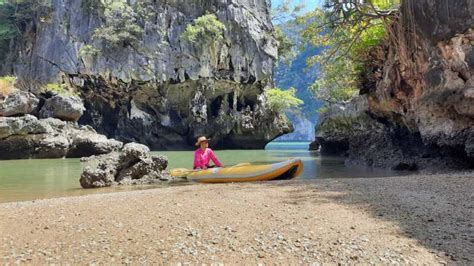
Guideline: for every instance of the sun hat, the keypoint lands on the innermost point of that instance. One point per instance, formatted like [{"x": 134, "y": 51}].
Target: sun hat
[{"x": 201, "y": 139}]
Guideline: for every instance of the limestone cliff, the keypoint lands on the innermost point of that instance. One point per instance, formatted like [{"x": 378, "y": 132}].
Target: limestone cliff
[
  {"x": 160, "y": 90},
  {"x": 417, "y": 103}
]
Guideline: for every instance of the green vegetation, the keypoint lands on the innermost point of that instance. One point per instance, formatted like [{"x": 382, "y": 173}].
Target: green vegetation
[
  {"x": 283, "y": 100},
  {"x": 93, "y": 6},
  {"x": 206, "y": 29},
  {"x": 282, "y": 15},
  {"x": 61, "y": 89},
  {"x": 285, "y": 44},
  {"x": 7, "y": 85},
  {"x": 347, "y": 30},
  {"x": 8, "y": 79},
  {"x": 121, "y": 27},
  {"x": 88, "y": 50},
  {"x": 16, "y": 15}
]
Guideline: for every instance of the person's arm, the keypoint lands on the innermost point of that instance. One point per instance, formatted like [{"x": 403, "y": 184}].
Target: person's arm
[
  {"x": 197, "y": 160},
  {"x": 214, "y": 158}
]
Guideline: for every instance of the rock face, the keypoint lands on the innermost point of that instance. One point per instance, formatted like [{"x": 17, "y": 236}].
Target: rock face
[
  {"x": 133, "y": 164},
  {"x": 28, "y": 137},
  {"x": 162, "y": 91},
  {"x": 418, "y": 94},
  {"x": 352, "y": 130}
]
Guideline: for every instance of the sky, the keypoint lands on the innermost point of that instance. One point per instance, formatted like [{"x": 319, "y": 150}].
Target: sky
[{"x": 309, "y": 4}]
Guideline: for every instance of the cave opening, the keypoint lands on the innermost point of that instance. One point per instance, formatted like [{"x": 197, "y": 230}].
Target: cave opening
[
  {"x": 230, "y": 100},
  {"x": 215, "y": 106}
]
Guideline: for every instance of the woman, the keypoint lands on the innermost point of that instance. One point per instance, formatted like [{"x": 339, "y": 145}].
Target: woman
[{"x": 203, "y": 155}]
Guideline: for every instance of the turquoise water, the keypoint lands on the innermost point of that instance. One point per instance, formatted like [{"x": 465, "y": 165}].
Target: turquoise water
[{"x": 47, "y": 178}]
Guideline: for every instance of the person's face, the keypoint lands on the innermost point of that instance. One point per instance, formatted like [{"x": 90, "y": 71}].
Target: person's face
[{"x": 204, "y": 145}]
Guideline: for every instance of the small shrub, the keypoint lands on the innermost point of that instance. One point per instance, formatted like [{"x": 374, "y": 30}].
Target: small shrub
[
  {"x": 93, "y": 6},
  {"x": 7, "y": 85},
  {"x": 61, "y": 89},
  {"x": 283, "y": 100},
  {"x": 88, "y": 50},
  {"x": 207, "y": 29},
  {"x": 121, "y": 26}
]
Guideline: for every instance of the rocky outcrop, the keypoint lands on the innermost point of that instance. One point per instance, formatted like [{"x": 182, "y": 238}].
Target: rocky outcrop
[
  {"x": 68, "y": 108},
  {"x": 160, "y": 90},
  {"x": 419, "y": 93},
  {"x": 19, "y": 103},
  {"x": 24, "y": 136},
  {"x": 133, "y": 164},
  {"x": 352, "y": 130},
  {"x": 28, "y": 137}
]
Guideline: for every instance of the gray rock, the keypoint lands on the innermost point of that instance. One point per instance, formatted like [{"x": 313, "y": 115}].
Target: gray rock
[
  {"x": 160, "y": 161},
  {"x": 98, "y": 177},
  {"x": 350, "y": 129},
  {"x": 30, "y": 137},
  {"x": 69, "y": 108},
  {"x": 133, "y": 152},
  {"x": 19, "y": 103},
  {"x": 86, "y": 142},
  {"x": 163, "y": 91},
  {"x": 133, "y": 164},
  {"x": 22, "y": 126}
]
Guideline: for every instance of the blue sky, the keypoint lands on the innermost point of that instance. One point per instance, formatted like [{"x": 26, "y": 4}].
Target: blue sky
[{"x": 309, "y": 4}]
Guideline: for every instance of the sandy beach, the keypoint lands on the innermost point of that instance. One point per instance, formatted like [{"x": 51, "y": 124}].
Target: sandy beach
[{"x": 402, "y": 220}]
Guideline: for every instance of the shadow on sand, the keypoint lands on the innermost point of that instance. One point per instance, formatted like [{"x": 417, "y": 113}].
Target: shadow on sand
[{"x": 438, "y": 211}]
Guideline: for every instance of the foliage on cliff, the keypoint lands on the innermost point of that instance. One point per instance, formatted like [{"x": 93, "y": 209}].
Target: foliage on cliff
[
  {"x": 206, "y": 29},
  {"x": 61, "y": 89},
  {"x": 121, "y": 27},
  {"x": 6, "y": 85},
  {"x": 16, "y": 16},
  {"x": 347, "y": 30},
  {"x": 283, "y": 100}
]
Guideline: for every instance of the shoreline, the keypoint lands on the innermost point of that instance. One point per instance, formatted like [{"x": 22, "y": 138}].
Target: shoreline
[{"x": 407, "y": 219}]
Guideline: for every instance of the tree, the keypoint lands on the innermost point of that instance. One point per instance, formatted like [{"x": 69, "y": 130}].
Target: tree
[
  {"x": 16, "y": 15},
  {"x": 206, "y": 29},
  {"x": 121, "y": 27},
  {"x": 284, "y": 14},
  {"x": 347, "y": 30},
  {"x": 279, "y": 100}
]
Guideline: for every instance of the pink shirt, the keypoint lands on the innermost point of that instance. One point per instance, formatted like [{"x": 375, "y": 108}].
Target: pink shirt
[{"x": 202, "y": 158}]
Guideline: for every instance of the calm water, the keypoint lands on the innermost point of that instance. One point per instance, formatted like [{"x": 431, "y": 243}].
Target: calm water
[{"x": 37, "y": 179}]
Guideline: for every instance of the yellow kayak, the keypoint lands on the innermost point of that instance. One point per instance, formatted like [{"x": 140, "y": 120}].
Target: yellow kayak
[{"x": 243, "y": 172}]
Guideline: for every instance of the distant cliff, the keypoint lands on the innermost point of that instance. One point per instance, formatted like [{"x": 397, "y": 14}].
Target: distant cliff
[
  {"x": 153, "y": 87},
  {"x": 297, "y": 74},
  {"x": 416, "y": 108}
]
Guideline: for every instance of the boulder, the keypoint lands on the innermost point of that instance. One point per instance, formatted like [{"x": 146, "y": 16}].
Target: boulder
[
  {"x": 133, "y": 152},
  {"x": 102, "y": 175},
  {"x": 69, "y": 108},
  {"x": 19, "y": 103},
  {"x": 133, "y": 164},
  {"x": 85, "y": 142}
]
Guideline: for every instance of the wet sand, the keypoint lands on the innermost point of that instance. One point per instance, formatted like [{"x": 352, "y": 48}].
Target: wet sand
[{"x": 404, "y": 220}]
